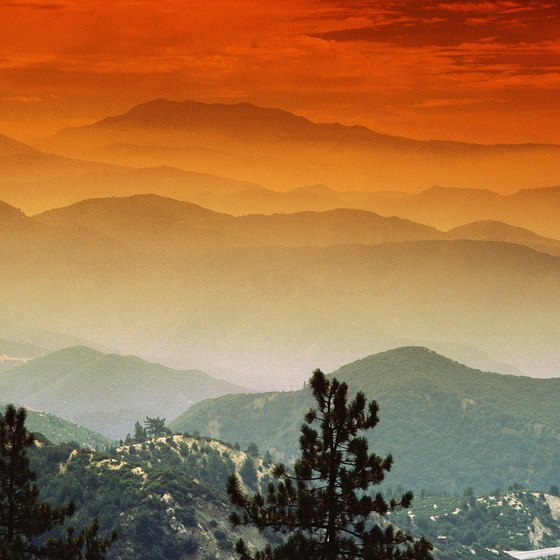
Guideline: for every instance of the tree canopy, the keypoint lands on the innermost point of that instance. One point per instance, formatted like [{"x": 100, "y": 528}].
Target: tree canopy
[
  {"x": 325, "y": 507},
  {"x": 24, "y": 521}
]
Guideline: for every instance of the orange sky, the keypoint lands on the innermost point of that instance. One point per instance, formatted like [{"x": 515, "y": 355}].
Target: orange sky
[{"x": 486, "y": 71}]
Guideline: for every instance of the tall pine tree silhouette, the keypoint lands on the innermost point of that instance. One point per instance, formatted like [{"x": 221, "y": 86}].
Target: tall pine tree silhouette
[
  {"x": 24, "y": 521},
  {"x": 325, "y": 507}
]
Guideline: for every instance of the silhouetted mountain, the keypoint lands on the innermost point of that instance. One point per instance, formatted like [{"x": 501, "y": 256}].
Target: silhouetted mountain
[
  {"x": 9, "y": 214},
  {"x": 106, "y": 393},
  {"x": 282, "y": 150},
  {"x": 448, "y": 426},
  {"x": 11, "y": 147},
  {"x": 247, "y": 120},
  {"x": 498, "y": 231},
  {"x": 24, "y": 164},
  {"x": 164, "y": 223}
]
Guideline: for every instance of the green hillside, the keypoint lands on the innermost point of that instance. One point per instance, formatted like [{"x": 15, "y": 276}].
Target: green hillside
[
  {"x": 57, "y": 430},
  {"x": 447, "y": 425},
  {"x": 106, "y": 392},
  {"x": 485, "y": 526},
  {"x": 165, "y": 498}
]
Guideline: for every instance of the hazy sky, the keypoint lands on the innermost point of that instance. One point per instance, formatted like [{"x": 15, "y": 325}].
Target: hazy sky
[{"x": 485, "y": 71}]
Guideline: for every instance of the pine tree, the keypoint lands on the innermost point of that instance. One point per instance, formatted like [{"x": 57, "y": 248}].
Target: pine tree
[
  {"x": 325, "y": 507},
  {"x": 155, "y": 427},
  {"x": 23, "y": 520},
  {"x": 139, "y": 432}
]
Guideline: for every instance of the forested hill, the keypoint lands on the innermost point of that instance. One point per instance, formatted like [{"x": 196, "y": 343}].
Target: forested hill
[
  {"x": 447, "y": 425},
  {"x": 484, "y": 527},
  {"x": 165, "y": 497}
]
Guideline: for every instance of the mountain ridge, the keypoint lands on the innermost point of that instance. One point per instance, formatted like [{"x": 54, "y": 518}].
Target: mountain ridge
[
  {"x": 106, "y": 392},
  {"x": 147, "y": 111},
  {"x": 282, "y": 150},
  {"x": 449, "y": 426}
]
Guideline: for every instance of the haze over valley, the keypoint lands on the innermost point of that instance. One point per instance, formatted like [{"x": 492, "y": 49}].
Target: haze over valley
[{"x": 279, "y": 280}]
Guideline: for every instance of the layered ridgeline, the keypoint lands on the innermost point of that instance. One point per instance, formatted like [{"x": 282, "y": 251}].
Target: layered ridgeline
[
  {"x": 178, "y": 223},
  {"x": 27, "y": 174},
  {"x": 279, "y": 149},
  {"x": 448, "y": 426},
  {"x": 193, "y": 288},
  {"x": 106, "y": 392},
  {"x": 230, "y": 157},
  {"x": 149, "y": 221},
  {"x": 37, "y": 181}
]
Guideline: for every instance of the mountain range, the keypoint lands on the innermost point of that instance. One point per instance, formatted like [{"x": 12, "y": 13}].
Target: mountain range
[
  {"x": 282, "y": 150},
  {"x": 243, "y": 159},
  {"x": 188, "y": 224},
  {"x": 181, "y": 285},
  {"x": 447, "y": 426},
  {"x": 61, "y": 181},
  {"x": 106, "y": 393}
]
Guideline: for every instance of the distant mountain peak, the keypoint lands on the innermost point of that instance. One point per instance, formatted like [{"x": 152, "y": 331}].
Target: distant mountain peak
[
  {"x": 137, "y": 205},
  {"x": 10, "y": 213},
  {"x": 9, "y": 147},
  {"x": 74, "y": 352},
  {"x": 245, "y": 120},
  {"x": 438, "y": 189},
  {"x": 406, "y": 360},
  {"x": 413, "y": 352}
]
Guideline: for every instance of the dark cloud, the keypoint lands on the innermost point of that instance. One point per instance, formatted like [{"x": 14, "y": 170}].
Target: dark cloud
[{"x": 417, "y": 24}]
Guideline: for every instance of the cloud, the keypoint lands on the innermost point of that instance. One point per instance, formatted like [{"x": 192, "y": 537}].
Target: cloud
[
  {"x": 445, "y": 102},
  {"x": 35, "y": 5},
  {"x": 482, "y": 7},
  {"x": 351, "y": 57},
  {"x": 23, "y": 99}
]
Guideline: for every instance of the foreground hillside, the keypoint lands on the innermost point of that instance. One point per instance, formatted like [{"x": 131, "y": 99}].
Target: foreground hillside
[
  {"x": 486, "y": 526},
  {"x": 165, "y": 498},
  {"x": 448, "y": 426},
  {"x": 106, "y": 392}
]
